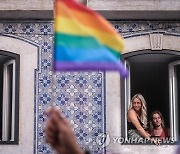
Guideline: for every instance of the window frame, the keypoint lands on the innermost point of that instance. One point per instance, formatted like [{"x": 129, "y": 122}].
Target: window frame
[
  {"x": 16, "y": 57},
  {"x": 173, "y": 99},
  {"x": 125, "y": 91}
]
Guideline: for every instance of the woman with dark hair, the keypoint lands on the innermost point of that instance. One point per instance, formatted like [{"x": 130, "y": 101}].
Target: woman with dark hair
[{"x": 157, "y": 126}]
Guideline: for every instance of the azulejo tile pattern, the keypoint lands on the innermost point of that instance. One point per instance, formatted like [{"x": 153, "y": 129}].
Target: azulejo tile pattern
[
  {"x": 80, "y": 95},
  {"x": 128, "y": 28},
  {"x": 76, "y": 93}
]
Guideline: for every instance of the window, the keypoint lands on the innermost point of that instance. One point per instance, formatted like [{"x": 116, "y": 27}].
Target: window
[
  {"x": 9, "y": 90},
  {"x": 156, "y": 75},
  {"x": 174, "y": 85}
]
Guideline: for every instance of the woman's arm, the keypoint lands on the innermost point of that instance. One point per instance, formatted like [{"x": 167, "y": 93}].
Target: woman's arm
[{"x": 133, "y": 118}]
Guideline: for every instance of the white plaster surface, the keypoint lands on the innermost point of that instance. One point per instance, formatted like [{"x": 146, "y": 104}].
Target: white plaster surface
[
  {"x": 134, "y": 4},
  {"x": 95, "y": 4},
  {"x": 28, "y": 62},
  {"x": 28, "y": 9},
  {"x": 171, "y": 42},
  {"x": 137, "y": 43},
  {"x": 111, "y": 9},
  {"x": 137, "y": 9},
  {"x": 143, "y": 42},
  {"x": 113, "y": 104},
  {"x": 142, "y": 149},
  {"x": 28, "y": 4}
]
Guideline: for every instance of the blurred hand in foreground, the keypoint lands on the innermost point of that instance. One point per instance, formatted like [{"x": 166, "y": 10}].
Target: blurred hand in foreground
[{"x": 59, "y": 133}]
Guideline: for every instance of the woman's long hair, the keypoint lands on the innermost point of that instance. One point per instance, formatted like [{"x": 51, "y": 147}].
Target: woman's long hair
[
  {"x": 151, "y": 120},
  {"x": 143, "y": 116}
]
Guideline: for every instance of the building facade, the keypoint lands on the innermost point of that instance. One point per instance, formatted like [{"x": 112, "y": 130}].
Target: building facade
[{"x": 94, "y": 102}]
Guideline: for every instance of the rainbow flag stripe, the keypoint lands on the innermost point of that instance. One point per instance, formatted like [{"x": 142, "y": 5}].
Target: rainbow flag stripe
[{"x": 84, "y": 40}]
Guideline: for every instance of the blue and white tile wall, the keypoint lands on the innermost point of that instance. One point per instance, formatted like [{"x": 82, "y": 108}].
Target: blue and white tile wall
[
  {"x": 129, "y": 28},
  {"x": 81, "y": 96}
]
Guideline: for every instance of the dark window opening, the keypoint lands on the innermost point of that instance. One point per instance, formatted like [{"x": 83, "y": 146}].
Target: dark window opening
[
  {"x": 151, "y": 80},
  {"x": 10, "y": 93}
]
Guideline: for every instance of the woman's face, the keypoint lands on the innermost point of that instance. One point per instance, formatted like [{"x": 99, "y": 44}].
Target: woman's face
[
  {"x": 157, "y": 121},
  {"x": 136, "y": 104}
]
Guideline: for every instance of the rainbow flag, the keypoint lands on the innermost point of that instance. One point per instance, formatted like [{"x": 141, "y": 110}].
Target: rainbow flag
[{"x": 84, "y": 40}]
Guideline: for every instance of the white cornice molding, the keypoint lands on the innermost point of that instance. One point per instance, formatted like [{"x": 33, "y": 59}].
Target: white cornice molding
[
  {"x": 153, "y": 42},
  {"x": 141, "y": 10},
  {"x": 134, "y": 5},
  {"x": 110, "y": 9}
]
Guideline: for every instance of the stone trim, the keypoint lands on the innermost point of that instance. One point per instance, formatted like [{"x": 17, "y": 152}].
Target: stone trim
[
  {"x": 28, "y": 63},
  {"x": 152, "y": 41}
]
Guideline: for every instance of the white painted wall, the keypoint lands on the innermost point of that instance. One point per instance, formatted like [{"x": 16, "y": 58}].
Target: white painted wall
[
  {"x": 28, "y": 63},
  {"x": 28, "y": 9},
  {"x": 28, "y": 4},
  {"x": 95, "y": 4},
  {"x": 111, "y": 9},
  {"x": 137, "y": 9},
  {"x": 134, "y": 5}
]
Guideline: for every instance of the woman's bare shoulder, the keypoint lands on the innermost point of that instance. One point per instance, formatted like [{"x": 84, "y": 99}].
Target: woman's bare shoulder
[{"x": 131, "y": 111}]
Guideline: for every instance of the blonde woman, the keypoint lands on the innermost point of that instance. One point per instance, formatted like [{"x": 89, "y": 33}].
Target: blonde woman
[{"x": 137, "y": 118}]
